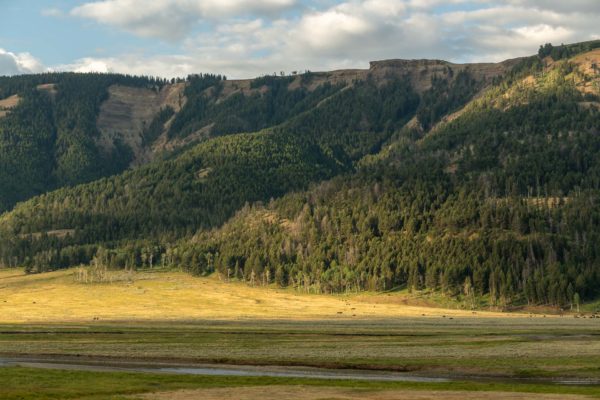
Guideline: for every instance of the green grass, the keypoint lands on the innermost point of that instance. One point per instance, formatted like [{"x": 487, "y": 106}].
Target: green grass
[
  {"x": 542, "y": 348},
  {"x": 28, "y": 383},
  {"x": 591, "y": 307}
]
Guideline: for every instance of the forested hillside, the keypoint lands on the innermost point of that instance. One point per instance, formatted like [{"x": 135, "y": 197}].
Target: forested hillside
[
  {"x": 62, "y": 129},
  {"x": 426, "y": 175},
  {"x": 205, "y": 185},
  {"x": 47, "y": 137},
  {"x": 503, "y": 201}
]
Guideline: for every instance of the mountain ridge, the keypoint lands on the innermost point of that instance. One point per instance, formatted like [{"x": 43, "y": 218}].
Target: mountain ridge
[{"x": 382, "y": 182}]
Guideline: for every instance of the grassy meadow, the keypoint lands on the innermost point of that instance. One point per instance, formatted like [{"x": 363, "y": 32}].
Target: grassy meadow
[
  {"x": 171, "y": 318},
  {"x": 26, "y": 383},
  {"x": 57, "y": 296}
]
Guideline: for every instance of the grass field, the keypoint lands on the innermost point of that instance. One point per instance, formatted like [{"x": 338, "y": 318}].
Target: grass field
[
  {"x": 25, "y": 383},
  {"x": 55, "y": 296},
  {"x": 550, "y": 348},
  {"x": 175, "y": 319}
]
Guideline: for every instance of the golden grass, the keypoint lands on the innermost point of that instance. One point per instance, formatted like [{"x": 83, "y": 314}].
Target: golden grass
[
  {"x": 55, "y": 296},
  {"x": 8, "y": 103}
]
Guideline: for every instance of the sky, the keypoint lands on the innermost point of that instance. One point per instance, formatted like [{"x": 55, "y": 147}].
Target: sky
[{"x": 249, "y": 38}]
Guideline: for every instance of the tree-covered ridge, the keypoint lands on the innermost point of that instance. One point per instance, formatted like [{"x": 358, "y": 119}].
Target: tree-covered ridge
[
  {"x": 272, "y": 102},
  {"x": 201, "y": 188},
  {"x": 445, "y": 97},
  {"x": 567, "y": 51},
  {"x": 498, "y": 202},
  {"x": 10, "y": 85},
  {"x": 24, "y": 132},
  {"x": 502, "y": 202},
  {"x": 357, "y": 120},
  {"x": 63, "y": 146},
  {"x": 48, "y": 140},
  {"x": 205, "y": 185}
]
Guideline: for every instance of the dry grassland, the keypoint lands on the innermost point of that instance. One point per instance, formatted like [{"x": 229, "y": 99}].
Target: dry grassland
[
  {"x": 56, "y": 296},
  {"x": 8, "y": 103}
]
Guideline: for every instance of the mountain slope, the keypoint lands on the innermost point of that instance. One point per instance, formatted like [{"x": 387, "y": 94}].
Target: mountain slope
[
  {"x": 496, "y": 200},
  {"x": 87, "y": 126},
  {"x": 206, "y": 184},
  {"x": 48, "y": 137},
  {"x": 501, "y": 202}
]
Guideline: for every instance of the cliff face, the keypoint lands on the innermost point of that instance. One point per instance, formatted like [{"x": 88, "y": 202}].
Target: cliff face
[
  {"x": 421, "y": 72},
  {"x": 128, "y": 111}
]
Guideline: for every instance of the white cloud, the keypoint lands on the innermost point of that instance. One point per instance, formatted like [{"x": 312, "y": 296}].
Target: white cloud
[
  {"x": 172, "y": 19},
  {"x": 543, "y": 33},
  {"x": 166, "y": 66},
  {"x": 246, "y": 38},
  {"x": 21, "y": 63},
  {"x": 562, "y": 6},
  {"x": 52, "y": 12}
]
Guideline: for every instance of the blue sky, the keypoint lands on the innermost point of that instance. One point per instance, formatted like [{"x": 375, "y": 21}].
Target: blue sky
[
  {"x": 25, "y": 26},
  {"x": 244, "y": 38}
]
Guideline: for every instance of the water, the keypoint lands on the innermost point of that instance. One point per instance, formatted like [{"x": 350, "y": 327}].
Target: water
[
  {"x": 306, "y": 373},
  {"x": 275, "y": 372}
]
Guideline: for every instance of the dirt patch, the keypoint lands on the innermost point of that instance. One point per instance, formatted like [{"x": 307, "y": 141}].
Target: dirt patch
[
  {"x": 587, "y": 80},
  {"x": 58, "y": 233},
  {"x": 590, "y": 105},
  {"x": 589, "y": 62},
  {"x": 49, "y": 88},
  {"x": 203, "y": 173},
  {"x": 8, "y": 103},
  {"x": 322, "y": 393}
]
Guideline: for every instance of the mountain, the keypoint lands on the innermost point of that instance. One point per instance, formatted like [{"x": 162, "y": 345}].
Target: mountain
[
  {"x": 63, "y": 129},
  {"x": 480, "y": 180},
  {"x": 500, "y": 201}
]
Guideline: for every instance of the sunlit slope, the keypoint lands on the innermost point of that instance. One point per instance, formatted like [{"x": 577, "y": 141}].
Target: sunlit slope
[
  {"x": 499, "y": 205},
  {"x": 200, "y": 188},
  {"x": 56, "y": 297}
]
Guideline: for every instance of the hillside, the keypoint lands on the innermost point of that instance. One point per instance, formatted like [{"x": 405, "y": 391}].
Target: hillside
[
  {"x": 501, "y": 203},
  {"x": 65, "y": 129},
  {"x": 48, "y": 133},
  {"x": 478, "y": 181},
  {"x": 323, "y": 122}
]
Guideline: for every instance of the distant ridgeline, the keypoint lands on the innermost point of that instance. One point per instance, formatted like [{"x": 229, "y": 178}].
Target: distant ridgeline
[
  {"x": 479, "y": 180},
  {"x": 47, "y": 135}
]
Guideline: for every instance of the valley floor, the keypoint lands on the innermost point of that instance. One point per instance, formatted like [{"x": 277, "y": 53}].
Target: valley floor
[
  {"x": 312, "y": 393},
  {"x": 169, "y": 319},
  {"x": 30, "y": 383},
  {"x": 56, "y": 296}
]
